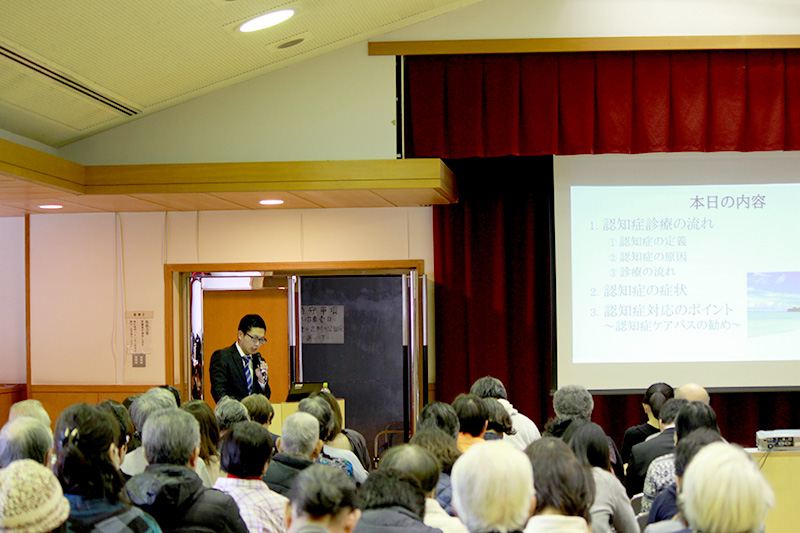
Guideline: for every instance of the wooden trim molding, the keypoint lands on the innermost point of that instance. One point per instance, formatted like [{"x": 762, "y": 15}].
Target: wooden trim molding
[
  {"x": 28, "y": 302},
  {"x": 584, "y": 44}
]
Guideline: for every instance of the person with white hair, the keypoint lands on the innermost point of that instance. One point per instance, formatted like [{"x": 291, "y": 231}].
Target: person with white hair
[
  {"x": 723, "y": 490},
  {"x": 493, "y": 488},
  {"x": 25, "y": 438},
  {"x": 298, "y": 446},
  {"x": 31, "y": 408},
  {"x": 142, "y": 407}
]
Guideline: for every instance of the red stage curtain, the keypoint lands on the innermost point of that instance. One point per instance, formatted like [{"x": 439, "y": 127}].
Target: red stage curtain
[
  {"x": 492, "y": 249},
  {"x": 605, "y": 102}
]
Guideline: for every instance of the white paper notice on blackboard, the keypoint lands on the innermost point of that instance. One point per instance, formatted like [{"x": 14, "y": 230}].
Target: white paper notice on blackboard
[{"x": 322, "y": 324}]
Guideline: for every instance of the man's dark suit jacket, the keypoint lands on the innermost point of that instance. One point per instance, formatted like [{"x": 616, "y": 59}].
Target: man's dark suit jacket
[
  {"x": 643, "y": 454},
  {"x": 226, "y": 370}
]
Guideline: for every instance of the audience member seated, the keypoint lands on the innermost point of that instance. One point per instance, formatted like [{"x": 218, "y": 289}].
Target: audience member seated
[
  {"x": 343, "y": 459},
  {"x": 25, "y": 438},
  {"x": 499, "y": 424},
  {"x": 31, "y": 499},
  {"x": 229, "y": 412},
  {"x": 473, "y": 418},
  {"x": 643, "y": 453},
  {"x": 392, "y": 501},
  {"x": 169, "y": 489},
  {"x": 692, "y": 392},
  {"x": 298, "y": 446},
  {"x": 322, "y": 500},
  {"x": 146, "y": 404},
  {"x": 564, "y": 489},
  {"x": 724, "y": 491},
  {"x": 175, "y": 393},
  {"x": 654, "y": 398},
  {"x": 493, "y": 488},
  {"x": 661, "y": 472},
  {"x": 664, "y": 515},
  {"x": 444, "y": 448},
  {"x": 574, "y": 402},
  {"x": 525, "y": 430},
  {"x": 87, "y": 462},
  {"x": 261, "y": 411},
  {"x": 611, "y": 510},
  {"x": 245, "y": 451},
  {"x": 422, "y": 465},
  {"x": 123, "y": 418},
  {"x": 345, "y": 438},
  {"x": 441, "y": 416},
  {"x": 31, "y": 408},
  {"x": 207, "y": 466}
]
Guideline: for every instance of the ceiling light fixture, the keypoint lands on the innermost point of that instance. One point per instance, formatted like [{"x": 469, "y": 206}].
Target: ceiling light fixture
[
  {"x": 266, "y": 21},
  {"x": 50, "y": 206},
  {"x": 271, "y": 202}
]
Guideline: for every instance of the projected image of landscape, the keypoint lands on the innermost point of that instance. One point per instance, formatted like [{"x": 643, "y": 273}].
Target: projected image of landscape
[{"x": 773, "y": 303}]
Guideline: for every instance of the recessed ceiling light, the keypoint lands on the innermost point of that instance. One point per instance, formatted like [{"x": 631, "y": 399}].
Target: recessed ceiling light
[
  {"x": 50, "y": 206},
  {"x": 266, "y": 21},
  {"x": 271, "y": 202}
]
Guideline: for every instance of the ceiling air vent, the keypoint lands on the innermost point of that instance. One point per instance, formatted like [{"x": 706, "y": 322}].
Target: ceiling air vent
[{"x": 67, "y": 82}]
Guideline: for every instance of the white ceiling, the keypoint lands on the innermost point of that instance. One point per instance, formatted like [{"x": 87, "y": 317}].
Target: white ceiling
[{"x": 71, "y": 69}]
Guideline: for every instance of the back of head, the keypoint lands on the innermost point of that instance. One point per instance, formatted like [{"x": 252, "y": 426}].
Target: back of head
[
  {"x": 655, "y": 397},
  {"x": 562, "y": 483},
  {"x": 389, "y": 488},
  {"x": 493, "y": 487},
  {"x": 589, "y": 443},
  {"x": 472, "y": 414},
  {"x": 31, "y": 408},
  {"x": 148, "y": 403},
  {"x": 123, "y": 419},
  {"x": 670, "y": 410},
  {"x": 692, "y": 392},
  {"x": 259, "y": 408},
  {"x": 573, "y": 402},
  {"x": 175, "y": 393},
  {"x": 723, "y": 490},
  {"x": 299, "y": 435},
  {"x": 31, "y": 499},
  {"x": 415, "y": 461},
  {"x": 229, "y": 412},
  {"x": 320, "y": 491},
  {"x": 170, "y": 437},
  {"x": 695, "y": 415},
  {"x": 84, "y": 435},
  {"x": 330, "y": 399},
  {"x": 24, "y": 438},
  {"x": 245, "y": 450},
  {"x": 319, "y": 409},
  {"x": 489, "y": 387},
  {"x": 209, "y": 429},
  {"x": 499, "y": 419},
  {"x": 441, "y": 416},
  {"x": 692, "y": 443},
  {"x": 440, "y": 444}
]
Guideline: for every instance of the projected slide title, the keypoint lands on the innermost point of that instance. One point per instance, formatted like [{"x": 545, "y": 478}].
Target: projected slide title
[{"x": 653, "y": 283}]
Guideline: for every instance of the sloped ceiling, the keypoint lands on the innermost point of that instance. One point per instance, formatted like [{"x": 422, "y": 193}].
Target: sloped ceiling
[{"x": 69, "y": 70}]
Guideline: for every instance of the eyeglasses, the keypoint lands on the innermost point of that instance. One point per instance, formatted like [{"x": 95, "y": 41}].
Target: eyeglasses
[{"x": 258, "y": 340}]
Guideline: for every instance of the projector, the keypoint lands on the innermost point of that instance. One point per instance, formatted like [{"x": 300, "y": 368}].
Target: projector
[{"x": 780, "y": 439}]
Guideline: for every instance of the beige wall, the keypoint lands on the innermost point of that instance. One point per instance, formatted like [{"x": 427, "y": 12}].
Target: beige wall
[
  {"x": 12, "y": 300},
  {"x": 87, "y": 270}
]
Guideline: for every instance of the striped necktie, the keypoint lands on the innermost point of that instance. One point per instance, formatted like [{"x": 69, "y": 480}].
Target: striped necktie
[{"x": 248, "y": 373}]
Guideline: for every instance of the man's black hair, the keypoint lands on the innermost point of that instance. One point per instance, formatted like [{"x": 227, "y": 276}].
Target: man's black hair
[
  {"x": 472, "y": 413},
  {"x": 688, "y": 447},
  {"x": 386, "y": 487},
  {"x": 441, "y": 416},
  {"x": 251, "y": 321},
  {"x": 245, "y": 449},
  {"x": 489, "y": 387},
  {"x": 321, "y": 490},
  {"x": 670, "y": 410},
  {"x": 695, "y": 415}
]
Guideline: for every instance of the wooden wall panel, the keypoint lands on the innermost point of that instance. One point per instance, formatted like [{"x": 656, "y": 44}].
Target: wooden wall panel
[{"x": 9, "y": 395}]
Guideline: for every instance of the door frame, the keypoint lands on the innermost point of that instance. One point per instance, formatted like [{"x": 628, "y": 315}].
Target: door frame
[{"x": 176, "y": 309}]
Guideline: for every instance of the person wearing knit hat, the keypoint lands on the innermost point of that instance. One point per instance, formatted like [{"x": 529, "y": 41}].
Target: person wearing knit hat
[{"x": 31, "y": 499}]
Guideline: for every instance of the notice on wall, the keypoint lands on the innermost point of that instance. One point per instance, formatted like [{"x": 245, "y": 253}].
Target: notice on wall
[
  {"x": 322, "y": 324},
  {"x": 139, "y": 333}
]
